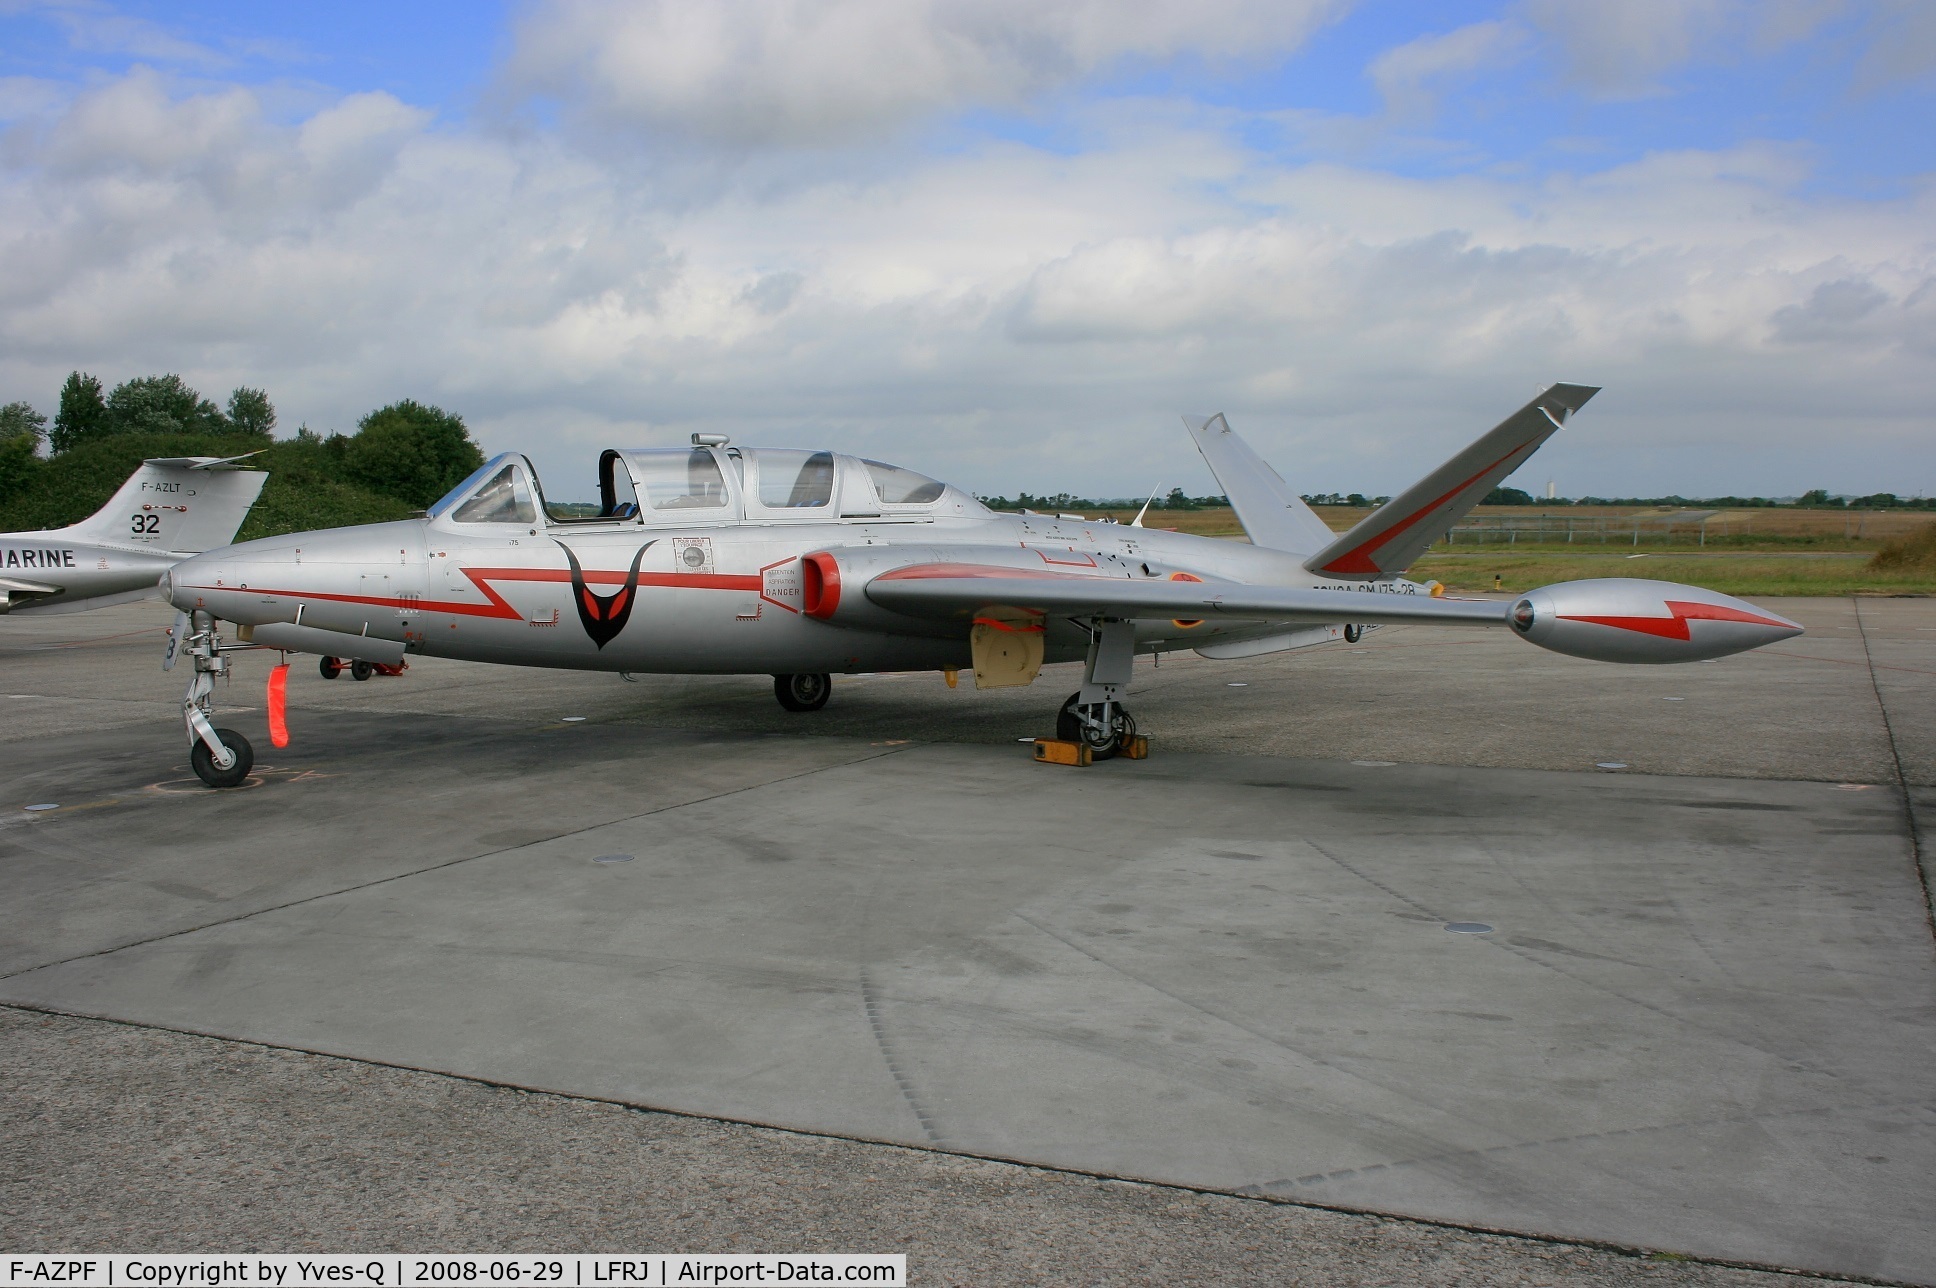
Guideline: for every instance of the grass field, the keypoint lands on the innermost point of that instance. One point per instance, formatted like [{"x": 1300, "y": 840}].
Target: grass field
[{"x": 1747, "y": 552}]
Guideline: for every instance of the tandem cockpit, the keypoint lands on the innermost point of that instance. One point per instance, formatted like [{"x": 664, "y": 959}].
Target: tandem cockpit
[{"x": 709, "y": 483}]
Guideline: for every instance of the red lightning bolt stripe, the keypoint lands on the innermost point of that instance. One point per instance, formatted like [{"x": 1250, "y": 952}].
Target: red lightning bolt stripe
[
  {"x": 497, "y": 605},
  {"x": 1675, "y": 627}
]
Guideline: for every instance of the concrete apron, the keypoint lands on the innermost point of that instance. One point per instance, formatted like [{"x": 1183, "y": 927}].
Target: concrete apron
[{"x": 1701, "y": 1018}]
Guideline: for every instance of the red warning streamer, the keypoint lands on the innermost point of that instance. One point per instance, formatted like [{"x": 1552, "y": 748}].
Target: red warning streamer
[{"x": 278, "y": 692}]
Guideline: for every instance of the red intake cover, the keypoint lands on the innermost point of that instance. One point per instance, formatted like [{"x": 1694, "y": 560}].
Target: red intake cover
[{"x": 819, "y": 585}]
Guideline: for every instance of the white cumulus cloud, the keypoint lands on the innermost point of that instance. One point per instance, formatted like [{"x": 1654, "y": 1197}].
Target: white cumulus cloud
[
  {"x": 818, "y": 71},
  {"x": 1005, "y": 315}
]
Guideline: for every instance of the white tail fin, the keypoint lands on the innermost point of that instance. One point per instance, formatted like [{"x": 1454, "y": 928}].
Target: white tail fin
[
  {"x": 182, "y": 505},
  {"x": 1398, "y": 532},
  {"x": 1271, "y": 513}
]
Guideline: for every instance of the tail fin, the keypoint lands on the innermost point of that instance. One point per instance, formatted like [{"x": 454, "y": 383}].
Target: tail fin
[
  {"x": 180, "y": 504},
  {"x": 1271, "y": 513},
  {"x": 1398, "y": 532}
]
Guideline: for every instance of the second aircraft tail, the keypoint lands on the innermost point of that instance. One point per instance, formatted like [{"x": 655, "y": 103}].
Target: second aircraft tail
[{"x": 178, "y": 504}]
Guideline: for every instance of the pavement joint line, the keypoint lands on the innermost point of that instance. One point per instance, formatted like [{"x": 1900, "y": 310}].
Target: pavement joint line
[
  {"x": 1275, "y": 1040},
  {"x": 1843, "y": 661},
  {"x": 1917, "y": 851},
  {"x": 451, "y": 863},
  {"x": 1529, "y": 956},
  {"x": 1347, "y": 1173},
  {"x": 1635, "y": 1251}
]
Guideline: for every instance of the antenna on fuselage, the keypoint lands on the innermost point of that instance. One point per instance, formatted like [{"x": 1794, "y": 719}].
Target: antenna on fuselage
[
  {"x": 710, "y": 440},
  {"x": 1137, "y": 522}
]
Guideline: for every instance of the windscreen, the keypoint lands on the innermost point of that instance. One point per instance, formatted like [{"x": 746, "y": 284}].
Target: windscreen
[
  {"x": 505, "y": 499},
  {"x": 897, "y": 486},
  {"x": 449, "y": 498},
  {"x": 795, "y": 480}
]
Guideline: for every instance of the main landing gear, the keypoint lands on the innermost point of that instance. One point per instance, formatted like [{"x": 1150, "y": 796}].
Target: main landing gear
[
  {"x": 221, "y": 757},
  {"x": 1092, "y": 725},
  {"x": 1104, "y": 727},
  {"x": 803, "y": 692}
]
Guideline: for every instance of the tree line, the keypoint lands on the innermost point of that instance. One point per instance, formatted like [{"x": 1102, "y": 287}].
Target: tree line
[{"x": 402, "y": 457}]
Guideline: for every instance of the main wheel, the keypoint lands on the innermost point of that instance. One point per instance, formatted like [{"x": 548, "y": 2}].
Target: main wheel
[
  {"x": 803, "y": 692},
  {"x": 1071, "y": 727},
  {"x": 361, "y": 670},
  {"x": 329, "y": 667},
  {"x": 204, "y": 760},
  {"x": 1353, "y": 633}
]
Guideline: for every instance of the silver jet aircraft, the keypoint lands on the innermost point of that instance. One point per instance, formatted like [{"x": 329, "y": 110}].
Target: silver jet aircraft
[
  {"x": 168, "y": 509},
  {"x": 802, "y": 564}
]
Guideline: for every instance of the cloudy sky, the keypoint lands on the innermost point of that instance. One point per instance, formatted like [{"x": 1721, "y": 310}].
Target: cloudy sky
[{"x": 1002, "y": 241}]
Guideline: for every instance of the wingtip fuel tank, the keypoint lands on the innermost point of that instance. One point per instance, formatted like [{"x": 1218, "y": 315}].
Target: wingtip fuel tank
[{"x": 1630, "y": 619}]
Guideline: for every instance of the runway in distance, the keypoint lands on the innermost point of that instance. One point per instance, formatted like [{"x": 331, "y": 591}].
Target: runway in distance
[
  {"x": 800, "y": 564},
  {"x": 168, "y": 509}
]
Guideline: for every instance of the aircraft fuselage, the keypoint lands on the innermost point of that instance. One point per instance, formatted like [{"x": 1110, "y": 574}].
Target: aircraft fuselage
[{"x": 725, "y": 598}]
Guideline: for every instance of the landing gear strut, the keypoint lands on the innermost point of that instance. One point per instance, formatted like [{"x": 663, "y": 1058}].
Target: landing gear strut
[
  {"x": 803, "y": 692},
  {"x": 221, "y": 757}
]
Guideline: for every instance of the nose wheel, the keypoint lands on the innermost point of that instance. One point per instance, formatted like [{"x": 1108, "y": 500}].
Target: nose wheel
[
  {"x": 803, "y": 692},
  {"x": 220, "y": 757},
  {"x": 242, "y": 760},
  {"x": 1104, "y": 727}
]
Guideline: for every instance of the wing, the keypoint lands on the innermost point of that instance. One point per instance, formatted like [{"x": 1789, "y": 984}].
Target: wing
[
  {"x": 1396, "y": 533},
  {"x": 961, "y": 591},
  {"x": 1271, "y": 513}
]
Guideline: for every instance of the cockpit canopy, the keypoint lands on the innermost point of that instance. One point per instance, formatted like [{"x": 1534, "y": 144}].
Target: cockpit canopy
[{"x": 702, "y": 485}]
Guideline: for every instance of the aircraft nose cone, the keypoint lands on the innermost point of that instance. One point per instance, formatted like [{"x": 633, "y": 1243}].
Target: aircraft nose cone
[{"x": 191, "y": 580}]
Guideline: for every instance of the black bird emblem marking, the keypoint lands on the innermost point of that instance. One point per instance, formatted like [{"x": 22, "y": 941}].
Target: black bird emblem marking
[{"x": 604, "y": 616}]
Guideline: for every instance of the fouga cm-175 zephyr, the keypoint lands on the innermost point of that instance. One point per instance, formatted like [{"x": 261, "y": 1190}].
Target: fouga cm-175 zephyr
[
  {"x": 168, "y": 509},
  {"x": 801, "y": 564}
]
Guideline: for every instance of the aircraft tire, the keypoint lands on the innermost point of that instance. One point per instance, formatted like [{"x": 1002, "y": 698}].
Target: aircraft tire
[
  {"x": 1070, "y": 727},
  {"x": 808, "y": 692},
  {"x": 1353, "y": 633},
  {"x": 204, "y": 760},
  {"x": 329, "y": 667},
  {"x": 361, "y": 670}
]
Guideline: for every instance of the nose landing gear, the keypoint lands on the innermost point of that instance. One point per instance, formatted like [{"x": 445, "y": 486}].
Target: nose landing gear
[{"x": 220, "y": 757}]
